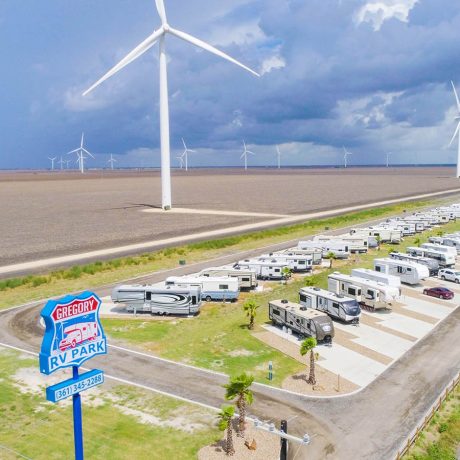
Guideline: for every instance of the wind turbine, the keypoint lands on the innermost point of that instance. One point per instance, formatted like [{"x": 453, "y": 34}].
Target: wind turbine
[
  {"x": 345, "y": 156},
  {"x": 160, "y": 35},
  {"x": 185, "y": 154},
  {"x": 278, "y": 153},
  {"x": 67, "y": 163},
  {"x": 61, "y": 162},
  {"x": 111, "y": 161},
  {"x": 457, "y": 118},
  {"x": 52, "y": 162},
  {"x": 245, "y": 155},
  {"x": 80, "y": 156},
  {"x": 181, "y": 161},
  {"x": 388, "y": 158}
]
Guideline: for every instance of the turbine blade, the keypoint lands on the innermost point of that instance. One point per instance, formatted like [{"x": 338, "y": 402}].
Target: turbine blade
[
  {"x": 455, "y": 133},
  {"x": 456, "y": 96},
  {"x": 89, "y": 153},
  {"x": 248, "y": 151},
  {"x": 73, "y": 151},
  {"x": 183, "y": 142},
  {"x": 243, "y": 155},
  {"x": 161, "y": 11},
  {"x": 190, "y": 150},
  {"x": 82, "y": 139},
  {"x": 131, "y": 56},
  {"x": 201, "y": 44}
]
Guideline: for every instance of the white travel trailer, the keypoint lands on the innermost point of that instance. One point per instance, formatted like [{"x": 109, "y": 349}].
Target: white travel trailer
[
  {"x": 264, "y": 270},
  {"x": 315, "y": 253},
  {"x": 366, "y": 235},
  {"x": 431, "y": 264},
  {"x": 409, "y": 272},
  {"x": 336, "y": 306},
  {"x": 419, "y": 226},
  {"x": 340, "y": 249},
  {"x": 386, "y": 234},
  {"x": 446, "y": 241},
  {"x": 247, "y": 279},
  {"x": 389, "y": 280},
  {"x": 356, "y": 243},
  {"x": 367, "y": 292},
  {"x": 405, "y": 228},
  {"x": 444, "y": 259},
  {"x": 170, "y": 300},
  {"x": 304, "y": 321},
  {"x": 441, "y": 248},
  {"x": 212, "y": 288},
  {"x": 295, "y": 263}
]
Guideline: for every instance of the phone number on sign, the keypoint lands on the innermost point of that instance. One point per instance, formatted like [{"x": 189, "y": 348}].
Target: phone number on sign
[{"x": 82, "y": 385}]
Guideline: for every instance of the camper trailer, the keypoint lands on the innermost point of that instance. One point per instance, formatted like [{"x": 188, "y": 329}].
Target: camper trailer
[
  {"x": 431, "y": 264},
  {"x": 315, "y": 253},
  {"x": 212, "y": 288},
  {"x": 336, "y": 306},
  {"x": 295, "y": 263},
  {"x": 384, "y": 234},
  {"x": 409, "y": 272},
  {"x": 303, "y": 321},
  {"x": 367, "y": 292},
  {"x": 405, "y": 228},
  {"x": 247, "y": 279},
  {"x": 443, "y": 259},
  {"x": 364, "y": 233},
  {"x": 264, "y": 270},
  {"x": 170, "y": 300},
  {"x": 355, "y": 243},
  {"x": 379, "y": 277},
  {"x": 340, "y": 249},
  {"x": 446, "y": 241}
]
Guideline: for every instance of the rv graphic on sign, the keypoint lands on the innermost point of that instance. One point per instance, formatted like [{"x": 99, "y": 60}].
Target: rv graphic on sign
[{"x": 73, "y": 332}]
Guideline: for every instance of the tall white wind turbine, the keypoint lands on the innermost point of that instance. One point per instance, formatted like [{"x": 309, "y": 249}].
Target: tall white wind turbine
[
  {"x": 68, "y": 163},
  {"x": 245, "y": 155},
  {"x": 160, "y": 36},
  {"x": 185, "y": 154},
  {"x": 52, "y": 162},
  {"x": 388, "y": 158},
  {"x": 80, "y": 154},
  {"x": 181, "y": 161},
  {"x": 61, "y": 162},
  {"x": 345, "y": 157},
  {"x": 278, "y": 154},
  {"x": 111, "y": 161},
  {"x": 457, "y": 129}
]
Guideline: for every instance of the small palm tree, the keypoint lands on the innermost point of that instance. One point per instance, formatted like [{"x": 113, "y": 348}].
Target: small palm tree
[
  {"x": 440, "y": 233},
  {"x": 286, "y": 272},
  {"x": 379, "y": 241},
  {"x": 239, "y": 387},
  {"x": 417, "y": 241},
  {"x": 250, "y": 307},
  {"x": 331, "y": 256},
  {"x": 308, "y": 345},
  {"x": 225, "y": 423}
]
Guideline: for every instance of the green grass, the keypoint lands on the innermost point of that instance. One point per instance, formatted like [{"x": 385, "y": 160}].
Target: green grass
[
  {"x": 15, "y": 291},
  {"x": 441, "y": 438},
  {"x": 42, "y": 430}
]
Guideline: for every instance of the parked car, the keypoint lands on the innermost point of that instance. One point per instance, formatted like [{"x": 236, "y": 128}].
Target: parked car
[
  {"x": 449, "y": 275},
  {"x": 439, "y": 292}
]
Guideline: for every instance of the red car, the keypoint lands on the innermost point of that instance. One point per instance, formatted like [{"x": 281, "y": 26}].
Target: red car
[{"x": 439, "y": 292}]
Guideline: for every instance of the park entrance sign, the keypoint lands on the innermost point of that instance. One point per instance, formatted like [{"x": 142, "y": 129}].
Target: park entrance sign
[{"x": 73, "y": 335}]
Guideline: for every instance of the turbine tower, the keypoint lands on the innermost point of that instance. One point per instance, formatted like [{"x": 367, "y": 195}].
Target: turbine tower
[
  {"x": 457, "y": 118},
  {"x": 67, "y": 163},
  {"x": 111, "y": 161},
  {"x": 388, "y": 158},
  {"x": 52, "y": 162},
  {"x": 245, "y": 155},
  {"x": 278, "y": 153},
  {"x": 61, "y": 162},
  {"x": 345, "y": 156},
  {"x": 80, "y": 154},
  {"x": 185, "y": 154},
  {"x": 181, "y": 161},
  {"x": 160, "y": 36}
]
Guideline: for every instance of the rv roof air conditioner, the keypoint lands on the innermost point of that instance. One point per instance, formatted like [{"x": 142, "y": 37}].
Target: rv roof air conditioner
[{"x": 285, "y": 301}]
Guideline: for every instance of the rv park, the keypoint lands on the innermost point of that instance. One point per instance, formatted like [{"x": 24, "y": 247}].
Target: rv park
[{"x": 377, "y": 364}]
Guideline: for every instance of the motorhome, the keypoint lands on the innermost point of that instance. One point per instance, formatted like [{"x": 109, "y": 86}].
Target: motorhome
[
  {"x": 295, "y": 263},
  {"x": 247, "y": 279},
  {"x": 340, "y": 249},
  {"x": 355, "y": 243},
  {"x": 409, "y": 272},
  {"x": 369, "y": 293},
  {"x": 306, "y": 322},
  {"x": 264, "y": 270},
  {"x": 389, "y": 280},
  {"x": 170, "y": 300},
  {"x": 446, "y": 241},
  {"x": 444, "y": 259},
  {"x": 431, "y": 264},
  {"x": 315, "y": 253},
  {"x": 336, "y": 306},
  {"x": 212, "y": 287}
]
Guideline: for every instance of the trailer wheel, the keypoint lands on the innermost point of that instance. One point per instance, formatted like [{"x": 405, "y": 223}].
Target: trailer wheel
[{"x": 208, "y": 298}]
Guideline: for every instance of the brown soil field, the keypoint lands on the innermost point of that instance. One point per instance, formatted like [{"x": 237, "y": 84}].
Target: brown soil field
[{"x": 45, "y": 214}]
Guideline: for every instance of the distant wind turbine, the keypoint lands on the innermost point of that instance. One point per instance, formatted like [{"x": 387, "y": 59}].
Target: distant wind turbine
[
  {"x": 185, "y": 154},
  {"x": 388, "y": 158},
  {"x": 278, "y": 153},
  {"x": 345, "y": 156},
  {"x": 160, "y": 35},
  {"x": 52, "y": 162},
  {"x": 61, "y": 162},
  {"x": 245, "y": 155},
  {"x": 68, "y": 163},
  {"x": 457, "y": 118},
  {"x": 111, "y": 161},
  {"x": 80, "y": 154},
  {"x": 181, "y": 161}
]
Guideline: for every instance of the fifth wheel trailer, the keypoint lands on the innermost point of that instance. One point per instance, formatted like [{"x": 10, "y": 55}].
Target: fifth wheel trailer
[
  {"x": 264, "y": 270},
  {"x": 389, "y": 280},
  {"x": 295, "y": 263},
  {"x": 247, "y": 279},
  {"x": 409, "y": 272},
  {"x": 212, "y": 288}
]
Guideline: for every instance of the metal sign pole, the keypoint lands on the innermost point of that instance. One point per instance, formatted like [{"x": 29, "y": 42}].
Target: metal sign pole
[
  {"x": 284, "y": 442},
  {"x": 77, "y": 420}
]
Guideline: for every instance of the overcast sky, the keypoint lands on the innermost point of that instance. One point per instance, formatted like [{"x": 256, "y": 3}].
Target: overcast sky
[{"x": 373, "y": 76}]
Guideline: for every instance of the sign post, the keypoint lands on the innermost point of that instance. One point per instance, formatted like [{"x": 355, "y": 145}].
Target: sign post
[{"x": 73, "y": 335}]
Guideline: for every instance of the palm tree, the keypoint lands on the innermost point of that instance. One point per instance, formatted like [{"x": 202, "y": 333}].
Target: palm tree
[
  {"x": 239, "y": 387},
  {"x": 286, "y": 272},
  {"x": 440, "y": 233},
  {"x": 250, "y": 307},
  {"x": 308, "y": 345},
  {"x": 330, "y": 255},
  {"x": 379, "y": 240},
  {"x": 417, "y": 241},
  {"x": 225, "y": 423}
]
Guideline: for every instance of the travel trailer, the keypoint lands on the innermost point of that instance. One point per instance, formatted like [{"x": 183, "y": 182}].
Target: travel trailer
[
  {"x": 444, "y": 259},
  {"x": 212, "y": 288},
  {"x": 264, "y": 270},
  {"x": 446, "y": 241},
  {"x": 409, "y": 272},
  {"x": 340, "y": 249},
  {"x": 336, "y": 306},
  {"x": 170, "y": 300},
  {"x": 405, "y": 228},
  {"x": 389, "y": 280},
  {"x": 295, "y": 263},
  {"x": 431, "y": 264},
  {"x": 441, "y": 248},
  {"x": 247, "y": 279},
  {"x": 315, "y": 253},
  {"x": 385, "y": 234},
  {"x": 303, "y": 321},
  {"x": 369, "y": 293},
  {"x": 356, "y": 243}
]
